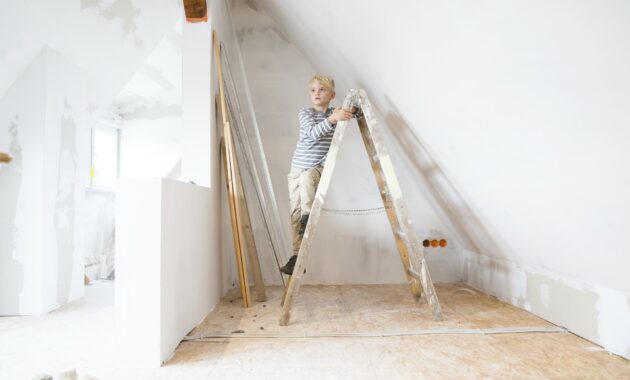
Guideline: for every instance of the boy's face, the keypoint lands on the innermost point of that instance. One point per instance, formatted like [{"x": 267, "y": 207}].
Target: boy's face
[{"x": 321, "y": 95}]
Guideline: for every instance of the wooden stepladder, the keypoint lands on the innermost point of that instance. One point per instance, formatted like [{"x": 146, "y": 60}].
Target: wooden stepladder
[
  {"x": 410, "y": 250},
  {"x": 242, "y": 233}
]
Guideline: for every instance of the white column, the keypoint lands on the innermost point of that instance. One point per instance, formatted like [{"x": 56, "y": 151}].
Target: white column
[{"x": 197, "y": 103}]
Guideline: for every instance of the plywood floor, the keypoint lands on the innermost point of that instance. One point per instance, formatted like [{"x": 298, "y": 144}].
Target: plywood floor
[
  {"x": 80, "y": 335},
  {"x": 262, "y": 349}
]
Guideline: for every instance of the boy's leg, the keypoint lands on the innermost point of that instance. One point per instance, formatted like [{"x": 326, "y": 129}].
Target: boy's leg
[
  {"x": 293, "y": 179},
  {"x": 295, "y": 206},
  {"x": 302, "y": 183},
  {"x": 309, "y": 179}
]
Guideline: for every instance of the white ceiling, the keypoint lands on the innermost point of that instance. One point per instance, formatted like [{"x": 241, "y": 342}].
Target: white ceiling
[{"x": 156, "y": 88}]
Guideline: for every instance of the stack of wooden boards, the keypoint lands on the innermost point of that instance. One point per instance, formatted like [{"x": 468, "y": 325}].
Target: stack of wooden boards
[{"x": 242, "y": 232}]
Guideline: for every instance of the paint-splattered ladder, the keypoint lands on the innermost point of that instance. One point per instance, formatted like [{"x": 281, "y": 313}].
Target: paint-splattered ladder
[{"x": 409, "y": 248}]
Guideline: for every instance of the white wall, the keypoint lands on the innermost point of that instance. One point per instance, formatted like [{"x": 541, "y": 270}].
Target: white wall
[
  {"x": 523, "y": 106},
  {"x": 347, "y": 249},
  {"x": 168, "y": 274},
  {"x": 45, "y": 111}
]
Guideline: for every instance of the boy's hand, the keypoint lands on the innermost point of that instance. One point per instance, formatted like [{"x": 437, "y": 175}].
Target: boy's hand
[{"x": 339, "y": 114}]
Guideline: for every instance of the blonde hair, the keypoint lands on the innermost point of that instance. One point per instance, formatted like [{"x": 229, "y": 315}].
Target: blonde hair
[{"x": 325, "y": 80}]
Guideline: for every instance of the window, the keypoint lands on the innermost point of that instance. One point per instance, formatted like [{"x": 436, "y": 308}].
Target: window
[{"x": 105, "y": 153}]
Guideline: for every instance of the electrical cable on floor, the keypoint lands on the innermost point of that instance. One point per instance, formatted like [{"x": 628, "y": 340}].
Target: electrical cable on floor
[{"x": 380, "y": 334}]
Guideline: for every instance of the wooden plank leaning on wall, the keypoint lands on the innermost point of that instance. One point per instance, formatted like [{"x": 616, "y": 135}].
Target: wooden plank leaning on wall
[{"x": 240, "y": 219}]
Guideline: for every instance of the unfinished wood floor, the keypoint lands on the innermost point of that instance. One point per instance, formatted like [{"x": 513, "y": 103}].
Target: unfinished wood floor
[{"x": 262, "y": 349}]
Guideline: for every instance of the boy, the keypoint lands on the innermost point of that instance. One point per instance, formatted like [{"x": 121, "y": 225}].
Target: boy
[{"x": 317, "y": 127}]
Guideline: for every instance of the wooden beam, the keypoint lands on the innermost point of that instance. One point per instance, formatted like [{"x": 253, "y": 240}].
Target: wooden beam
[
  {"x": 229, "y": 155},
  {"x": 247, "y": 232},
  {"x": 196, "y": 10},
  {"x": 241, "y": 221},
  {"x": 236, "y": 235}
]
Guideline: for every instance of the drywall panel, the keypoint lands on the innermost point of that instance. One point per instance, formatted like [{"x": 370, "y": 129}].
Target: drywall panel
[{"x": 168, "y": 271}]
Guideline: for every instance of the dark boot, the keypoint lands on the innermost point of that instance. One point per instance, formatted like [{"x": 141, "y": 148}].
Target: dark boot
[
  {"x": 288, "y": 268},
  {"x": 303, "y": 223},
  {"x": 290, "y": 265}
]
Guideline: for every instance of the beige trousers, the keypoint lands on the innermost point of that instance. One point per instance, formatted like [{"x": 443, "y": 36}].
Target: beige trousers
[{"x": 302, "y": 187}]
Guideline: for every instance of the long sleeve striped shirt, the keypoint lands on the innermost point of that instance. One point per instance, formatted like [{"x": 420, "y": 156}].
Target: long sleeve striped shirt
[
  {"x": 316, "y": 134},
  {"x": 315, "y": 137}
]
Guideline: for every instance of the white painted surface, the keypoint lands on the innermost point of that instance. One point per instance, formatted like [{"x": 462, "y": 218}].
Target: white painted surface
[
  {"x": 138, "y": 266},
  {"x": 168, "y": 274},
  {"x": 198, "y": 102}
]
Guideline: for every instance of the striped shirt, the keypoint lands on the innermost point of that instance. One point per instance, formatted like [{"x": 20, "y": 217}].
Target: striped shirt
[{"x": 316, "y": 134}]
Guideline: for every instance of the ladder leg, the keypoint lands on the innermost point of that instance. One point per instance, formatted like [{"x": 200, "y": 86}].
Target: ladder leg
[
  {"x": 286, "y": 289},
  {"x": 397, "y": 210},
  {"x": 389, "y": 208},
  {"x": 302, "y": 257}
]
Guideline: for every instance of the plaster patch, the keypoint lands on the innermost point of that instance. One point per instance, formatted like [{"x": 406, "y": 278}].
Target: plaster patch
[
  {"x": 544, "y": 294},
  {"x": 570, "y": 305},
  {"x": 90, "y": 3},
  {"x": 121, "y": 10}
]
